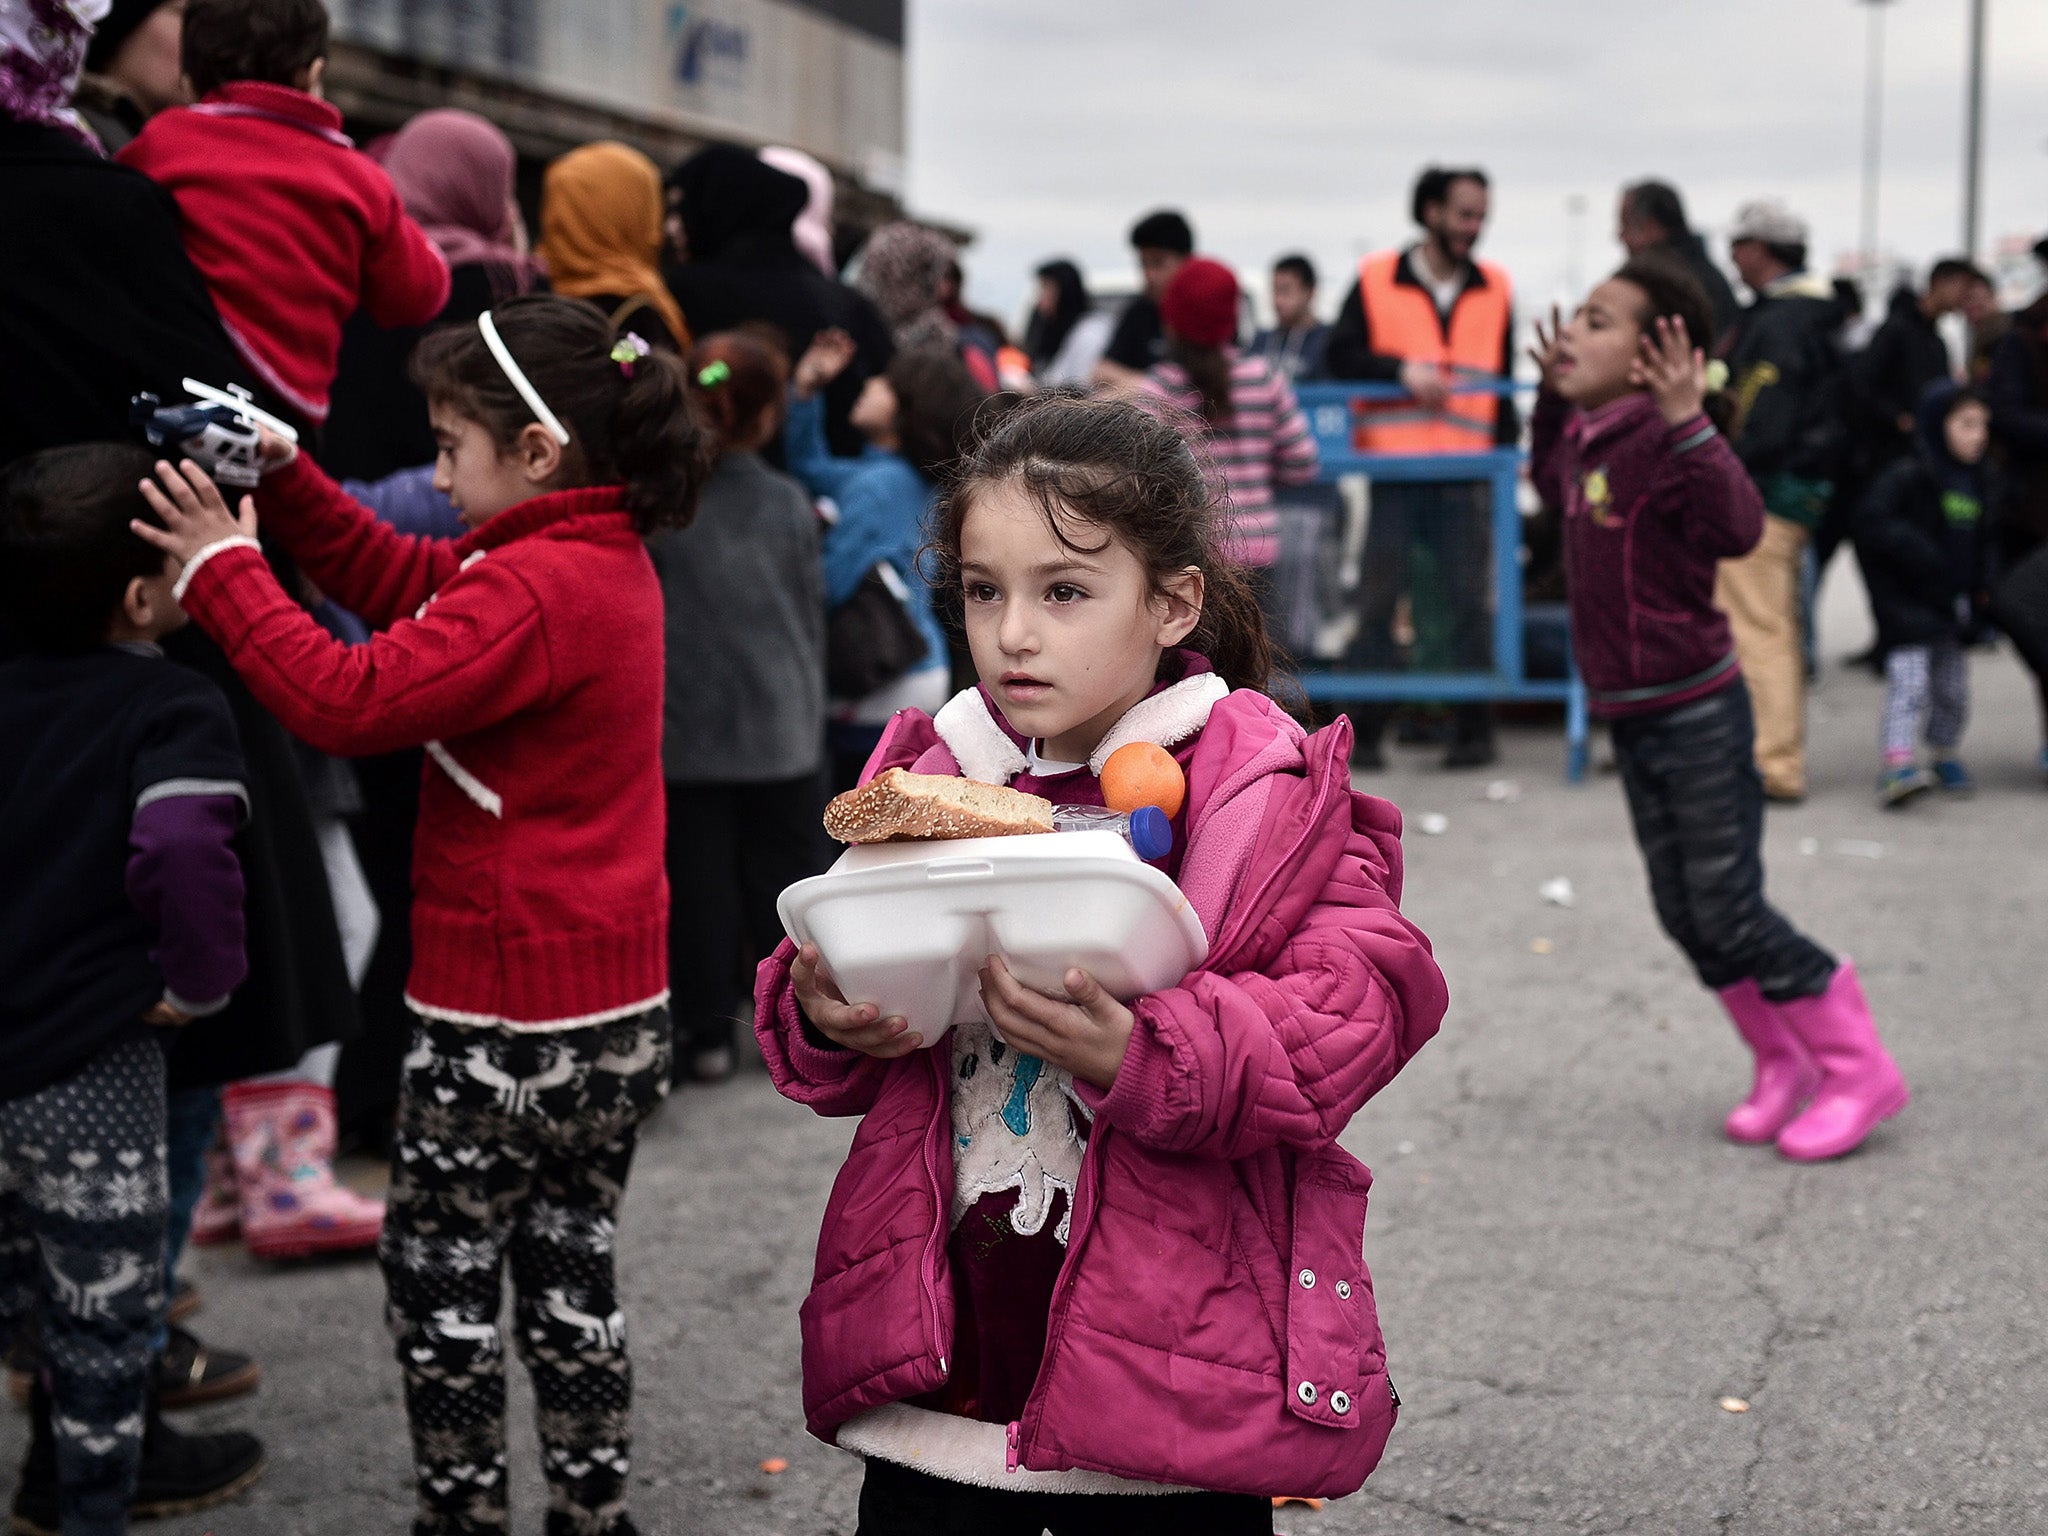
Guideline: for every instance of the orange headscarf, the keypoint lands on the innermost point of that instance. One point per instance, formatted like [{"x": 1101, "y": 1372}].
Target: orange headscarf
[{"x": 600, "y": 228}]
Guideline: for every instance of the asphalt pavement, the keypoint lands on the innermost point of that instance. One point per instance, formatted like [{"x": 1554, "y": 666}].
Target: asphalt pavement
[{"x": 1601, "y": 1316}]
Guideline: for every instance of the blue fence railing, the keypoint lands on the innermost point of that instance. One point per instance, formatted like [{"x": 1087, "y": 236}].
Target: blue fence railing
[{"x": 1337, "y": 415}]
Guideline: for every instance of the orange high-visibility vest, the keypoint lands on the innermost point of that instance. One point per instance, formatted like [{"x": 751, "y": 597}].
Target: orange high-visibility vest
[{"x": 1403, "y": 322}]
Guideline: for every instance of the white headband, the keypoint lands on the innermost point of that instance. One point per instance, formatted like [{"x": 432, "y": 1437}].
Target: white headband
[{"x": 520, "y": 382}]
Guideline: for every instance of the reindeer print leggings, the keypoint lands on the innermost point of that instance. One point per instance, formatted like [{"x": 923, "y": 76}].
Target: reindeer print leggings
[
  {"x": 516, "y": 1146},
  {"x": 82, "y": 1244}
]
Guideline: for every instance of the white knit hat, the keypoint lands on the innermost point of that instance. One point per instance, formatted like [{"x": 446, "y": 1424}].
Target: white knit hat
[{"x": 1770, "y": 221}]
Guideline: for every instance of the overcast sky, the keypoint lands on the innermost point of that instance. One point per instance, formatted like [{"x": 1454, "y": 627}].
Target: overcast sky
[{"x": 1049, "y": 125}]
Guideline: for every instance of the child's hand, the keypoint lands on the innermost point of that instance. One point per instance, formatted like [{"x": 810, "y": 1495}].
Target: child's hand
[
  {"x": 1086, "y": 1037},
  {"x": 823, "y": 361},
  {"x": 858, "y": 1027},
  {"x": 165, "y": 1016},
  {"x": 273, "y": 451},
  {"x": 1673, "y": 370},
  {"x": 1548, "y": 339},
  {"x": 194, "y": 514}
]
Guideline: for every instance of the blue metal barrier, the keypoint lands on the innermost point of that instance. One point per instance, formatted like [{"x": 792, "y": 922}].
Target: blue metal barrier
[{"x": 1334, "y": 418}]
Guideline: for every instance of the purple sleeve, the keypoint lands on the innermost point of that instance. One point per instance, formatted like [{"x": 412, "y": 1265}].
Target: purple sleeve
[{"x": 186, "y": 881}]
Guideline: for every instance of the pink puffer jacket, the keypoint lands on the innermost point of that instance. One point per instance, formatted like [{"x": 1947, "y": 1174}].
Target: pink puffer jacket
[{"x": 1213, "y": 1324}]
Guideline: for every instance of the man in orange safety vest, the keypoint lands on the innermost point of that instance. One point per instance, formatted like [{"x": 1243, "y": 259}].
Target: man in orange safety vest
[{"x": 1426, "y": 317}]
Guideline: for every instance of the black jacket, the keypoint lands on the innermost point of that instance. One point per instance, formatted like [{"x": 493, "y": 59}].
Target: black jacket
[
  {"x": 377, "y": 417},
  {"x": 743, "y": 266},
  {"x": 102, "y": 303},
  {"x": 1350, "y": 353},
  {"x": 1890, "y": 377},
  {"x": 1691, "y": 251},
  {"x": 1917, "y": 558},
  {"x": 101, "y": 300},
  {"x": 2019, "y": 428},
  {"x": 1783, "y": 368}
]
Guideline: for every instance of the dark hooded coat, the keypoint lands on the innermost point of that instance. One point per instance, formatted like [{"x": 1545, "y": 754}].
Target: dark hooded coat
[{"x": 743, "y": 267}]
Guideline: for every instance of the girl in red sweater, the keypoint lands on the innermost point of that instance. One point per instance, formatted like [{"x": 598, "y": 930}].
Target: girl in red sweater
[{"x": 527, "y": 658}]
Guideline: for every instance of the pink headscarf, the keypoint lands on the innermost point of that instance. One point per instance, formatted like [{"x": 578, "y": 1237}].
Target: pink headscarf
[
  {"x": 42, "y": 49},
  {"x": 453, "y": 171},
  {"x": 812, "y": 231}
]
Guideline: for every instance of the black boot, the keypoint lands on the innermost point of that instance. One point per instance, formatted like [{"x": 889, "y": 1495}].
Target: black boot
[
  {"x": 36, "y": 1510},
  {"x": 182, "y": 1473},
  {"x": 1471, "y": 737},
  {"x": 1368, "y": 725},
  {"x": 189, "y": 1372}
]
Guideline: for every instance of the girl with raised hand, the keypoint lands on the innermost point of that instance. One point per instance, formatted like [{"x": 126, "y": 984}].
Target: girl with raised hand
[
  {"x": 526, "y": 657},
  {"x": 1654, "y": 498},
  {"x": 1098, "y": 1267}
]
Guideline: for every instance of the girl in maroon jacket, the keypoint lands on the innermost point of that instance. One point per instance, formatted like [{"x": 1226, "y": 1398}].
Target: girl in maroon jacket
[
  {"x": 1653, "y": 498},
  {"x": 526, "y": 658}
]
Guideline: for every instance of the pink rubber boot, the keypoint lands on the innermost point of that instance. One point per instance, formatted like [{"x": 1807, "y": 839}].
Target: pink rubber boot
[
  {"x": 283, "y": 1140},
  {"x": 1785, "y": 1074},
  {"x": 218, "y": 1216},
  {"x": 1860, "y": 1084}
]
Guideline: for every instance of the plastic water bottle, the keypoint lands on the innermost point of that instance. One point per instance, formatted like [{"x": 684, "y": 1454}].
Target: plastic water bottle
[{"x": 1147, "y": 829}]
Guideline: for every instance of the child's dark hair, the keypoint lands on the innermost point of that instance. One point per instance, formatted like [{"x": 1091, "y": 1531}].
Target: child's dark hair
[
  {"x": 270, "y": 40},
  {"x": 1209, "y": 371},
  {"x": 629, "y": 423},
  {"x": 1672, "y": 290},
  {"x": 936, "y": 402},
  {"x": 1109, "y": 465},
  {"x": 1166, "y": 229},
  {"x": 736, "y": 381},
  {"x": 66, "y": 550}
]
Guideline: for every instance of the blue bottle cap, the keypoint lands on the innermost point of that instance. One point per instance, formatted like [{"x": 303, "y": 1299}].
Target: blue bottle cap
[{"x": 1151, "y": 833}]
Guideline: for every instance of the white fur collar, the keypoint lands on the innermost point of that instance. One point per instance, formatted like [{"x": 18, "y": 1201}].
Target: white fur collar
[{"x": 986, "y": 754}]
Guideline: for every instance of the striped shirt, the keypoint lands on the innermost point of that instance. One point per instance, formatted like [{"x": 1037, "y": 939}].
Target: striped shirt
[{"x": 1265, "y": 443}]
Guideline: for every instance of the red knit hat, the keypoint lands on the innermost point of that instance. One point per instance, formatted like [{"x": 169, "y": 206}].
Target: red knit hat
[{"x": 1201, "y": 303}]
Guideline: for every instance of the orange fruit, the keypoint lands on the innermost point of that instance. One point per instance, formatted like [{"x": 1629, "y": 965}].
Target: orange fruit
[{"x": 1139, "y": 774}]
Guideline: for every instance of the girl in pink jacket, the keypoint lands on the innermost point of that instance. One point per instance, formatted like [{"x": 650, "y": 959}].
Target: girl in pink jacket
[{"x": 1099, "y": 1268}]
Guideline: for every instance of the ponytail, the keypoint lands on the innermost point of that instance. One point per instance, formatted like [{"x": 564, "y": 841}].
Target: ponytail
[
  {"x": 625, "y": 408},
  {"x": 1209, "y": 371}
]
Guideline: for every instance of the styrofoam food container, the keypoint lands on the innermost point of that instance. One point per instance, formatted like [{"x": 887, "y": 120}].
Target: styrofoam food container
[{"x": 908, "y": 926}]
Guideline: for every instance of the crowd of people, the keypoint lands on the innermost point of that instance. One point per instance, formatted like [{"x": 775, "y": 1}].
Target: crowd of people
[{"x": 582, "y": 570}]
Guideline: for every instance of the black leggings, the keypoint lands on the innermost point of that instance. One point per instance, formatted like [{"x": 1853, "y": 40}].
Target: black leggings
[
  {"x": 731, "y": 850},
  {"x": 897, "y": 1501},
  {"x": 1698, "y": 808}
]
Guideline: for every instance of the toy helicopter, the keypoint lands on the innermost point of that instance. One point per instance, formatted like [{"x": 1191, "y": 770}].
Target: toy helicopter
[{"x": 220, "y": 433}]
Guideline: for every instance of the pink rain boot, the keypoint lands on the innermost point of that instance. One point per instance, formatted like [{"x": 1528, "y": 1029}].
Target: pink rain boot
[
  {"x": 1785, "y": 1074},
  {"x": 283, "y": 1140},
  {"x": 218, "y": 1216},
  {"x": 1860, "y": 1084}
]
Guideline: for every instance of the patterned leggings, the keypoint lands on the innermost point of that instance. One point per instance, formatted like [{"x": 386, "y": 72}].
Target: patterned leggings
[
  {"x": 1930, "y": 680},
  {"x": 82, "y": 1234},
  {"x": 517, "y": 1146}
]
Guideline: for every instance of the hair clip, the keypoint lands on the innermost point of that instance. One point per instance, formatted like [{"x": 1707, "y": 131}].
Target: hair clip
[
  {"x": 628, "y": 350},
  {"x": 711, "y": 375}
]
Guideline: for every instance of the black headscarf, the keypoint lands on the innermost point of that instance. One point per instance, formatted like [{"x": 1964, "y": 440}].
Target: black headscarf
[
  {"x": 1046, "y": 334},
  {"x": 728, "y": 194}
]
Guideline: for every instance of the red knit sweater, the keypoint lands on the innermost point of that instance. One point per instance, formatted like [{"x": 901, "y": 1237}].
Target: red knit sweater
[
  {"x": 292, "y": 228},
  {"x": 532, "y": 673}
]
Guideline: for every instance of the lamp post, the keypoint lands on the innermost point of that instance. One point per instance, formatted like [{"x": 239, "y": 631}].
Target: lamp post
[
  {"x": 1973, "y": 133},
  {"x": 1873, "y": 124}
]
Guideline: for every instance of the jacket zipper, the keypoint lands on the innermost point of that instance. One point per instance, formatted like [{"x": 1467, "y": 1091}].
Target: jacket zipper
[
  {"x": 1013, "y": 1455},
  {"x": 935, "y": 1244}
]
